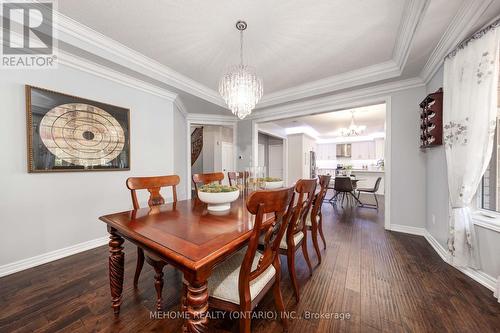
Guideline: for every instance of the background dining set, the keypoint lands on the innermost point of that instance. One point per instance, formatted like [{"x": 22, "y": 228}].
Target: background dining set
[
  {"x": 229, "y": 261},
  {"x": 345, "y": 188}
]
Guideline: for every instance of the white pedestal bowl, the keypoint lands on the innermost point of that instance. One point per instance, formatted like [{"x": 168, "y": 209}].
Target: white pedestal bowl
[
  {"x": 273, "y": 185},
  {"x": 218, "y": 202}
]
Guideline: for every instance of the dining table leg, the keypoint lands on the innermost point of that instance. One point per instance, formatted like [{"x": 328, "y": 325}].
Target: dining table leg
[
  {"x": 116, "y": 267},
  {"x": 196, "y": 306}
]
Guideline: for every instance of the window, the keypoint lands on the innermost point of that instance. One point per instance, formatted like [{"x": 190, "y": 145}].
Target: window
[{"x": 490, "y": 184}]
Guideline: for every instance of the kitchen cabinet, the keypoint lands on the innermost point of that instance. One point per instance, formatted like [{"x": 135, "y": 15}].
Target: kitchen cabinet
[
  {"x": 326, "y": 151},
  {"x": 363, "y": 150},
  {"x": 379, "y": 149}
]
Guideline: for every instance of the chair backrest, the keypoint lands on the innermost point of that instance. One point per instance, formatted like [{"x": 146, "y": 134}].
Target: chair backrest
[
  {"x": 324, "y": 181},
  {"x": 153, "y": 185},
  {"x": 304, "y": 189},
  {"x": 280, "y": 203},
  {"x": 234, "y": 176},
  {"x": 343, "y": 184},
  {"x": 377, "y": 184},
  {"x": 207, "y": 178}
]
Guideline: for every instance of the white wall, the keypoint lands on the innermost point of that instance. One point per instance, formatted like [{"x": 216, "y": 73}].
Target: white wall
[
  {"x": 438, "y": 203},
  {"x": 46, "y": 212}
]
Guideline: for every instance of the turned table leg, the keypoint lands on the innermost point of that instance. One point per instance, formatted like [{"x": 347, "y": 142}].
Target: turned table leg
[
  {"x": 196, "y": 307},
  {"x": 116, "y": 265}
]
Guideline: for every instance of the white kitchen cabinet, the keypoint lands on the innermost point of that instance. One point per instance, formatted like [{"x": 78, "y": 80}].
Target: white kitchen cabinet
[
  {"x": 363, "y": 150},
  {"x": 326, "y": 151},
  {"x": 379, "y": 149}
]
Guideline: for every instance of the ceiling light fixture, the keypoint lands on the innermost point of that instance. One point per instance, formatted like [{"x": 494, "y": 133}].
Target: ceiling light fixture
[
  {"x": 240, "y": 87},
  {"x": 352, "y": 130}
]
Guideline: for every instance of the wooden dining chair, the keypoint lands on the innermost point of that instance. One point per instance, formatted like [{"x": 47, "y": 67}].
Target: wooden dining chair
[
  {"x": 206, "y": 178},
  {"x": 239, "y": 283},
  {"x": 235, "y": 176},
  {"x": 153, "y": 185},
  {"x": 314, "y": 220},
  {"x": 295, "y": 236}
]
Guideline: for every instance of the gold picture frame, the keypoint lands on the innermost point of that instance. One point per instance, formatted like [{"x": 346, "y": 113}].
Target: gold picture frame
[{"x": 66, "y": 133}]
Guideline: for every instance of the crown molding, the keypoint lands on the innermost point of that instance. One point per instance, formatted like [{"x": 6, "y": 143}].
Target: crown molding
[
  {"x": 212, "y": 118},
  {"x": 369, "y": 74},
  {"x": 87, "y": 66},
  {"x": 180, "y": 106},
  {"x": 468, "y": 15},
  {"x": 412, "y": 16},
  {"x": 85, "y": 38},
  {"x": 331, "y": 102}
]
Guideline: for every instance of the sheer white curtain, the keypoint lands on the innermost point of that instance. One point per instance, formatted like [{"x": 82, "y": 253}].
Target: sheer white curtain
[{"x": 469, "y": 114}]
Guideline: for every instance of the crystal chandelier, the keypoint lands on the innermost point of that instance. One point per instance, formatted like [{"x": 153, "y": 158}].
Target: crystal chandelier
[
  {"x": 240, "y": 87},
  {"x": 352, "y": 130}
]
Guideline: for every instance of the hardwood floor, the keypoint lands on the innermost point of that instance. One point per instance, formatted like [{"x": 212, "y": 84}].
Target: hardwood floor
[{"x": 384, "y": 281}]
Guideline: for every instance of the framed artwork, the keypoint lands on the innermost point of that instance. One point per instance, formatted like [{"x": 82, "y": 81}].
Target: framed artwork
[{"x": 68, "y": 133}]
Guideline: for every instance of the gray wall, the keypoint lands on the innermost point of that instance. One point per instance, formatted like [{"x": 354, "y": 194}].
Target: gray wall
[
  {"x": 438, "y": 203},
  {"x": 50, "y": 211},
  {"x": 408, "y": 162},
  {"x": 180, "y": 152},
  {"x": 244, "y": 144}
]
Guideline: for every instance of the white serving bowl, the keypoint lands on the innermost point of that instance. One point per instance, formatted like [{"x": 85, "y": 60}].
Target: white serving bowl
[
  {"x": 218, "y": 202},
  {"x": 273, "y": 185}
]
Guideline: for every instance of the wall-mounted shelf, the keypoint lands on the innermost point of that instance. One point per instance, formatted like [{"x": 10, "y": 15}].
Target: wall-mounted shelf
[{"x": 431, "y": 120}]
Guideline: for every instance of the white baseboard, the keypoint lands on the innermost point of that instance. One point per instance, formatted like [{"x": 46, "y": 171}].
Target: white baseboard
[
  {"x": 443, "y": 253},
  {"x": 51, "y": 256},
  {"x": 478, "y": 276},
  {"x": 408, "y": 230}
]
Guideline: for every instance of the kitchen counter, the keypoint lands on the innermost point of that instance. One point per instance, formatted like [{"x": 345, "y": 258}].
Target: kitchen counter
[{"x": 367, "y": 171}]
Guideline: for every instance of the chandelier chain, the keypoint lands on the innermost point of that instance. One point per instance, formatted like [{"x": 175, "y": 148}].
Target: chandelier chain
[{"x": 241, "y": 47}]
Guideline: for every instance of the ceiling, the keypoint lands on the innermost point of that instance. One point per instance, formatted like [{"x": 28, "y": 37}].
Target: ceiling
[
  {"x": 300, "y": 50},
  {"x": 328, "y": 124},
  {"x": 199, "y": 38}
]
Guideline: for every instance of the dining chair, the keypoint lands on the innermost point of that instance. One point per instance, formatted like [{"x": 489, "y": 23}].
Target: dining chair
[
  {"x": 206, "y": 178},
  {"x": 372, "y": 190},
  {"x": 239, "y": 283},
  {"x": 153, "y": 185},
  {"x": 314, "y": 221},
  {"x": 296, "y": 232},
  {"x": 235, "y": 176},
  {"x": 344, "y": 187}
]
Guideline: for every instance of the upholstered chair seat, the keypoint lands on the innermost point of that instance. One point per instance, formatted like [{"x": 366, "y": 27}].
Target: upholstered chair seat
[
  {"x": 296, "y": 239},
  {"x": 223, "y": 283}
]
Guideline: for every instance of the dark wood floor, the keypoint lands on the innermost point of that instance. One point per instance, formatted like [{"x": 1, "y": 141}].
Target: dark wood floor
[{"x": 385, "y": 281}]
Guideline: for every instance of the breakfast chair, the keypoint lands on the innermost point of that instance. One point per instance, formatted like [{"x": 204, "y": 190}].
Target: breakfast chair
[
  {"x": 345, "y": 189},
  {"x": 153, "y": 185},
  {"x": 235, "y": 176},
  {"x": 297, "y": 230},
  {"x": 240, "y": 282},
  {"x": 314, "y": 221},
  {"x": 207, "y": 178},
  {"x": 372, "y": 190}
]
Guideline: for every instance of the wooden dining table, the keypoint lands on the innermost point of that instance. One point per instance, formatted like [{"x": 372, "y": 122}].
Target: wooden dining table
[{"x": 186, "y": 236}]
